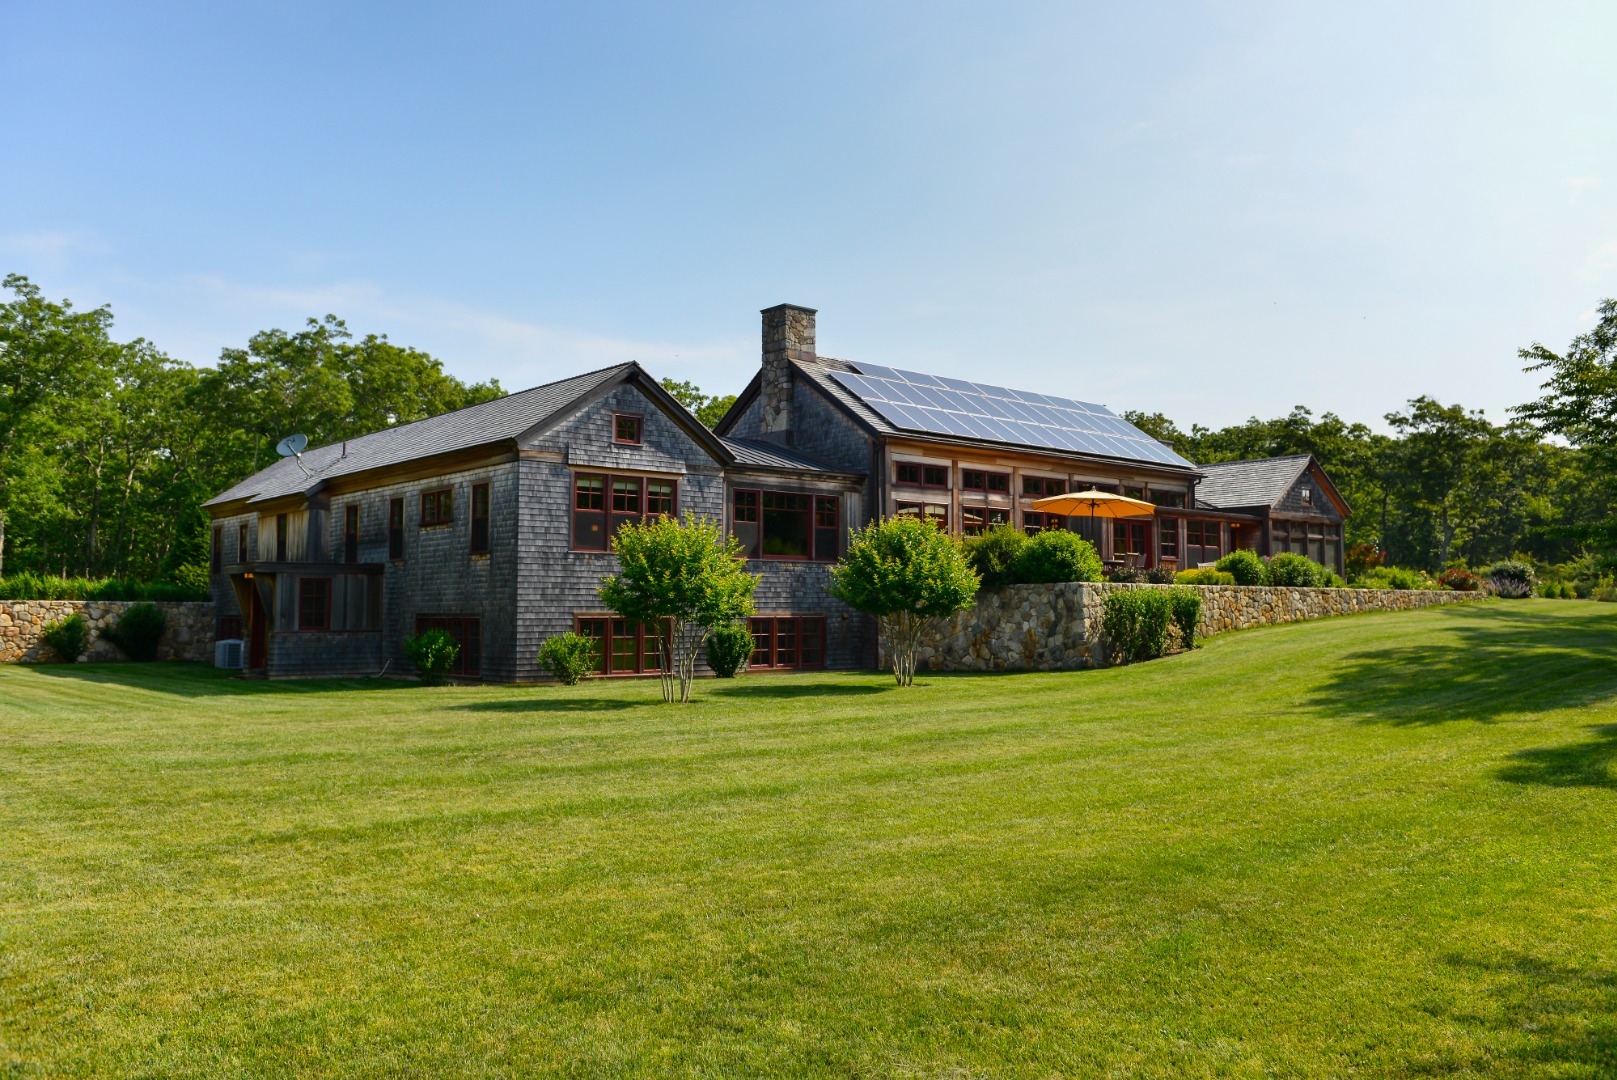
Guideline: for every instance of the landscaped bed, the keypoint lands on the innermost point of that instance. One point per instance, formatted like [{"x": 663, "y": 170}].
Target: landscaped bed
[{"x": 1381, "y": 845}]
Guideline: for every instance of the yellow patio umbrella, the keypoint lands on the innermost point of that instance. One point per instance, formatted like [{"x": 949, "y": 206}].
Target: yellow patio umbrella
[{"x": 1105, "y": 504}]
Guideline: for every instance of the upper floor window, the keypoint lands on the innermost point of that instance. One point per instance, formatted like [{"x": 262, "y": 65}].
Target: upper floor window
[
  {"x": 241, "y": 542},
  {"x": 786, "y": 525},
  {"x": 280, "y": 537},
  {"x": 1168, "y": 498},
  {"x": 659, "y": 498},
  {"x": 990, "y": 483},
  {"x": 1308, "y": 496},
  {"x": 350, "y": 533},
  {"x": 909, "y": 472},
  {"x": 1040, "y": 487},
  {"x": 479, "y": 519},
  {"x": 936, "y": 513},
  {"x": 1134, "y": 492},
  {"x": 218, "y": 547},
  {"x": 626, "y": 428},
  {"x": 437, "y": 507},
  {"x": 632, "y": 498},
  {"x": 395, "y": 529}
]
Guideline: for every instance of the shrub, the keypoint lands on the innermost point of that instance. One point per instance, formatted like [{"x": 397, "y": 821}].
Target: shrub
[
  {"x": 1121, "y": 574},
  {"x": 1606, "y": 591},
  {"x": 1056, "y": 555},
  {"x": 1557, "y": 590},
  {"x": 1243, "y": 565},
  {"x": 1392, "y": 577},
  {"x": 68, "y": 638},
  {"x": 1511, "y": 579},
  {"x": 139, "y": 632},
  {"x": 1459, "y": 580},
  {"x": 729, "y": 647},
  {"x": 1205, "y": 575},
  {"x": 993, "y": 555},
  {"x": 1297, "y": 571},
  {"x": 568, "y": 657},
  {"x": 433, "y": 653},
  {"x": 29, "y": 586},
  {"x": 1185, "y": 607},
  {"x": 1135, "y": 624},
  {"x": 1360, "y": 559},
  {"x": 1159, "y": 574}
]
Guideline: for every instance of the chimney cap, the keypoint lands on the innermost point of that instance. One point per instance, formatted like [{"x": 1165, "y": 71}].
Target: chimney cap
[{"x": 792, "y": 307}]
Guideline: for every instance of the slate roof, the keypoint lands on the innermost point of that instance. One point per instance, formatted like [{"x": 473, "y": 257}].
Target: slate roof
[
  {"x": 476, "y": 425},
  {"x": 1231, "y": 485},
  {"x": 773, "y": 456}
]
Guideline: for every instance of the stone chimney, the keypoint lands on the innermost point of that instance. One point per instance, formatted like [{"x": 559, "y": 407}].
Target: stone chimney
[{"x": 788, "y": 336}]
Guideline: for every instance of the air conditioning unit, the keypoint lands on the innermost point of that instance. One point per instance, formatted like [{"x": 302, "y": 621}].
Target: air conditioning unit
[{"x": 227, "y": 653}]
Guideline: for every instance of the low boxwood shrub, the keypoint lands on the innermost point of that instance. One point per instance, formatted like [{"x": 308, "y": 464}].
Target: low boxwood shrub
[
  {"x": 569, "y": 657},
  {"x": 1459, "y": 580},
  {"x": 1185, "y": 607},
  {"x": 1056, "y": 555},
  {"x": 1558, "y": 590},
  {"x": 1243, "y": 565},
  {"x": 1511, "y": 579},
  {"x": 1204, "y": 575},
  {"x": 1392, "y": 577},
  {"x": 138, "y": 633},
  {"x": 993, "y": 554},
  {"x": 729, "y": 647},
  {"x": 68, "y": 638},
  {"x": 433, "y": 653},
  {"x": 1135, "y": 624},
  {"x": 1298, "y": 571}
]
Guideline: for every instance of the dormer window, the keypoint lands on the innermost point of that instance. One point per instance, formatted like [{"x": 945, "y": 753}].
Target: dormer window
[{"x": 626, "y": 429}]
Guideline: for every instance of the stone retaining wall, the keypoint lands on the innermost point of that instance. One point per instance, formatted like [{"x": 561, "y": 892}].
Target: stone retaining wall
[
  {"x": 1057, "y": 627},
  {"x": 189, "y": 635}
]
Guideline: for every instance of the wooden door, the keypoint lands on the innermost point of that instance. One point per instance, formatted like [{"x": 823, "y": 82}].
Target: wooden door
[{"x": 258, "y": 632}]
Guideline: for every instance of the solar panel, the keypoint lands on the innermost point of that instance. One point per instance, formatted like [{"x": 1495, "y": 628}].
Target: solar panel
[{"x": 929, "y": 403}]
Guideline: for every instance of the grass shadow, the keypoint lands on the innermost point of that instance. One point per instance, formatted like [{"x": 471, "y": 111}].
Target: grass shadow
[
  {"x": 1584, "y": 764},
  {"x": 195, "y": 680},
  {"x": 781, "y": 689},
  {"x": 1547, "y": 1014},
  {"x": 551, "y": 705},
  {"x": 1481, "y": 665}
]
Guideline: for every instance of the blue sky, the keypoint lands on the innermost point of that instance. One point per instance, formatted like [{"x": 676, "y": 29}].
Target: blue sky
[{"x": 1213, "y": 210}]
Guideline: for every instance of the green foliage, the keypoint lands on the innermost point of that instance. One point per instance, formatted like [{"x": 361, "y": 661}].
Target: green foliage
[
  {"x": 1557, "y": 590},
  {"x": 1392, "y": 577},
  {"x": 909, "y": 575},
  {"x": 1243, "y": 565},
  {"x": 68, "y": 638},
  {"x": 1160, "y": 574},
  {"x": 708, "y": 409},
  {"x": 1055, "y": 555},
  {"x": 433, "y": 653},
  {"x": 729, "y": 647},
  {"x": 1297, "y": 571},
  {"x": 570, "y": 657},
  {"x": 28, "y": 586},
  {"x": 687, "y": 572},
  {"x": 1205, "y": 575},
  {"x": 993, "y": 555},
  {"x": 1459, "y": 580},
  {"x": 1135, "y": 623},
  {"x": 1511, "y": 579},
  {"x": 139, "y": 631},
  {"x": 1185, "y": 606}
]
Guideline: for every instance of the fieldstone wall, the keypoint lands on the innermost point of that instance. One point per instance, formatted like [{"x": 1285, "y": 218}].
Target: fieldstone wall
[
  {"x": 189, "y": 635},
  {"x": 1057, "y": 627}
]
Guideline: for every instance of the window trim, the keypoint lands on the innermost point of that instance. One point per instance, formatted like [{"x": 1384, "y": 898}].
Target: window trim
[
  {"x": 350, "y": 536},
  {"x": 395, "y": 529},
  {"x": 774, "y": 620},
  {"x": 439, "y": 518},
  {"x": 639, "y": 429},
  {"x": 478, "y": 542},
  {"x": 921, "y": 467},
  {"x": 814, "y": 497},
  {"x": 1044, "y": 481},
  {"x": 325, "y": 625},
  {"x": 645, "y": 480},
  {"x": 987, "y": 475},
  {"x": 921, "y": 508},
  {"x": 610, "y": 638}
]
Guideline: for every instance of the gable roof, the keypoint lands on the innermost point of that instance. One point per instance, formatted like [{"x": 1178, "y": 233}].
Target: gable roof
[
  {"x": 768, "y": 455},
  {"x": 490, "y": 422},
  {"x": 1233, "y": 485}
]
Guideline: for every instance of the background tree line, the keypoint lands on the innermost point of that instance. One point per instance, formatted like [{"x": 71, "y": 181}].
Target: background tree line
[{"x": 108, "y": 448}]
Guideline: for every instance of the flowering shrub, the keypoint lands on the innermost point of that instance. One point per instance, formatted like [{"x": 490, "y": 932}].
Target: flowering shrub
[
  {"x": 1511, "y": 579},
  {"x": 1459, "y": 580}
]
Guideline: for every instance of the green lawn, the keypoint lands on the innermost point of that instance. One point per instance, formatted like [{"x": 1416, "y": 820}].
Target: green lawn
[{"x": 1379, "y": 845}]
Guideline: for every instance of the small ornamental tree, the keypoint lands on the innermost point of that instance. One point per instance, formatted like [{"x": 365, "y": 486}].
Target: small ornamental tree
[
  {"x": 687, "y": 573},
  {"x": 910, "y": 576}
]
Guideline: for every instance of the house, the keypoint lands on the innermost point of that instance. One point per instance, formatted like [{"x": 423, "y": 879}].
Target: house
[{"x": 494, "y": 522}]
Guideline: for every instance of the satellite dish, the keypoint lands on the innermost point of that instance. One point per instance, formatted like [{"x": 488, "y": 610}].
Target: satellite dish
[{"x": 292, "y": 445}]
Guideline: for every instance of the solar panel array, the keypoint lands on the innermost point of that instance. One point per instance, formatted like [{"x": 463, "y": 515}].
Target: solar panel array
[{"x": 937, "y": 405}]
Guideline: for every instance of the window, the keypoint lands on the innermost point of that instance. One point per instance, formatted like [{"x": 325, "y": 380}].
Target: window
[
  {"x": 988, "y": 482},
  {"x": 241, "y": 542},
  {"x": 350, "y": 533},
  {"x": 1168, "y": 540},
  {"x": 626, "y": 429},
  {"x": 1033, "y": 521},
  {"x": 826, "y": 537},
  {"x": 1040, "y": 487},
  {"x": 623, "y": 646},
  {"x": 744, "y": 521},
  {"x": 218, "y": 547},
  {"x": 936, "y": 513},
  {"x": 978, "y": 519},
  {"x": 603, "y": 504},
  {"x": 468, "y": 634},
  {"x": 314, "y": 603},
  {"x": 437, "y": 507},
  {"x": 908, "y": 472},
  {"x": 589, "y": 513},
  {"x": 788, "y": 526},
  {"x": 280, "y": 537},
  {"x": 1308, "y": 496},
  {"x": 625, "y": 501},
  {"x": 1134, "y": 492},
  {"x": 1168, "y": 498},
  {"x": 479, "y": 519},
  {"x": 660, "y": 498},
  {"x": 1130, "y": 537},
  {"x": 788, "y": 642},
  {"x": 1202, "y": 542},
  {"x": 395, "y": 529}
]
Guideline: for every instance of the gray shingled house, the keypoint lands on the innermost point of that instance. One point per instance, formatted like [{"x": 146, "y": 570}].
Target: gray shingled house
[{"x": 494, "y": 522}]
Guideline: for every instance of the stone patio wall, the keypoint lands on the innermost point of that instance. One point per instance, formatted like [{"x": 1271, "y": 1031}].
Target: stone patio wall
[
  {"x": 188, "y": 636},
  {"x": 1057, "y": 627}
]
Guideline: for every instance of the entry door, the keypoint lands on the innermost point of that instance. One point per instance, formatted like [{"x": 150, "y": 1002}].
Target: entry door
[{"x": 258, "y": 635}]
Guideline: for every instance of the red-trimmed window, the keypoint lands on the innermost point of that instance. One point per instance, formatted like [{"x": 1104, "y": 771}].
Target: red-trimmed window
[
  {"x": 788, "y": 641},
  {"x": 625, "y": 501},
  {"x": 314, "y": 603},
  {"x": 975, "y": 520},
  {"x": 468, "y": 634},
  {"x": 1168, "y": 540},
  {"x": 660, "y": 500},
  {"x": 826, "y": 535},
  {"x": 788, "y": 526},
  {"x": 623, "y": 646},
  {"x": 909, "y": 472},
  {"x": 1133, "y": 492},
  {"x": 1041, "y": 487},
  {"x": 1168, "y": 497},
  {"x": 991, "y": 483},
  {"x": 906, "y": 472},
  {"x": 626, "y": 428},
  {"x": 1202, "y": 542},
  {"x": 437, "y": 507},
  {"x": 1033, "y": 521},
  {"x": 350, "y": 533},
  {"x": 395, "y": 529},
  {"x": 936, "y": 513},
  {"x": 479, "y": 519},
  {"x": 218, "y": 547},
  {"x": 745, "y": 520},
  {"x": 589, "y": 513}
]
